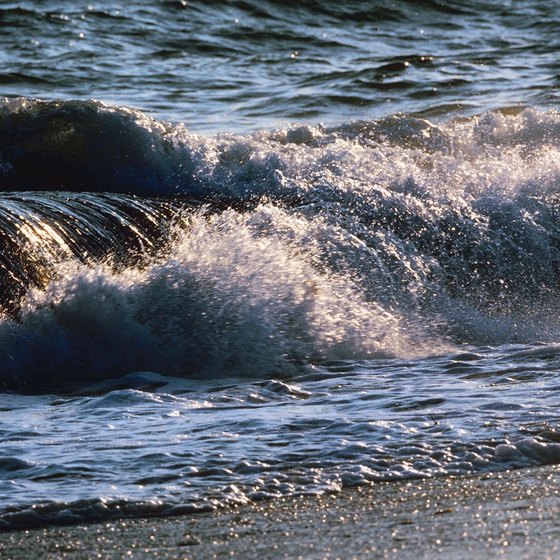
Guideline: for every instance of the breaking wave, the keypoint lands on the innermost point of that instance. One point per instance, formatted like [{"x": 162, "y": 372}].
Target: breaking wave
[{"x": 259, "y": 254}]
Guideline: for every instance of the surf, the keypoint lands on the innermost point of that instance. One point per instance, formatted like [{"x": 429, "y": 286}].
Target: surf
[{"x": 264, "y": 253}]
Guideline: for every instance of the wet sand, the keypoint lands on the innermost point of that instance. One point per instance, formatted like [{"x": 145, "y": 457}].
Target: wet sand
[{"x": 514, "y": 514}]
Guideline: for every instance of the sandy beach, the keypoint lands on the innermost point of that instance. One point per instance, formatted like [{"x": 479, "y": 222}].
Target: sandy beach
[{"x": 514, "y": 514}]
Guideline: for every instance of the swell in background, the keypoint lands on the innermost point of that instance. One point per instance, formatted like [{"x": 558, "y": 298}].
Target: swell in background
[{"x": 241, "y": 66}]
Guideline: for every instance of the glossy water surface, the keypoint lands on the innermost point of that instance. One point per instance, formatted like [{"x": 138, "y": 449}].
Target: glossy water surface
[
  {"x": 241, "y": 65},
  {"x": 342, "y": 268}
]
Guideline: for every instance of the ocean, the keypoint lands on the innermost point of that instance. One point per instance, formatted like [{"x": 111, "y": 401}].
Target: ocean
[{"x": 253, "y": 249}]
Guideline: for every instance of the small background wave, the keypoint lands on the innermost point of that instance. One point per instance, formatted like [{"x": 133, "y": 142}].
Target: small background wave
[{"x": 240, "y": 66}]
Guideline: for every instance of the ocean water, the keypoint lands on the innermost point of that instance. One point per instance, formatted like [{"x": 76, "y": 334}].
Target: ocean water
[{"x": 258, "y": 249}]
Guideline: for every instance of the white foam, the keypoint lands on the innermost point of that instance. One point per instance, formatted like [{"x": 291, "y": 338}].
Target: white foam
[{"x": 225, "y": 301}]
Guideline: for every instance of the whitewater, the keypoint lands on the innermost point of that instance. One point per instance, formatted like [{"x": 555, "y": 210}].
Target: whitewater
[{"x": 242, "y": 292}]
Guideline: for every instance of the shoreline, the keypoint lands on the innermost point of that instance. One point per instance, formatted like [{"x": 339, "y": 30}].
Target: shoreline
[{"x": 513, "y": 514}]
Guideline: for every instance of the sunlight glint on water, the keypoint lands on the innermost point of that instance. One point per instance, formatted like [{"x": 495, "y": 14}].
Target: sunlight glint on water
[{"x": 343, "y": 268}]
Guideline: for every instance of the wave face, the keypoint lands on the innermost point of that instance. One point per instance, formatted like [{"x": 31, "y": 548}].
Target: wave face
[
  {"x": 194, "y": 321},
  {"x": 85, "y": 146}
]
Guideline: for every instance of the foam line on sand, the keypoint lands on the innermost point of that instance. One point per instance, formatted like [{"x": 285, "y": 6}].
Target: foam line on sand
[{"x": 513, "y": 514}]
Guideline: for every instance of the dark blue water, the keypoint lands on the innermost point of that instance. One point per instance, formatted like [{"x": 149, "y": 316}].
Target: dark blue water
[
  {"x": 256, "y": 249},
  {"x": 227, "y": 66}
]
